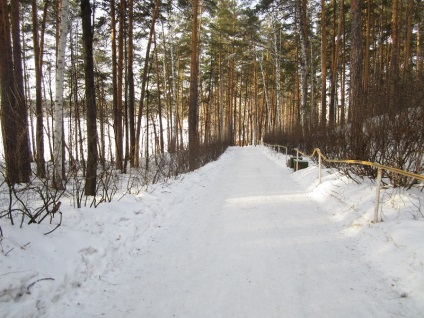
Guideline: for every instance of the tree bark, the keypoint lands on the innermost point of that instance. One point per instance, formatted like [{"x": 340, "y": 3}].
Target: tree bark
[
  {"x": 277, "y": 74},
  {"x": 90, "y": 100},
  {"x": 194, "y": 70},
  {"x": 38, "y": 59},
  {"x": 143, "y": 85},
  {"x": 304, "y": 63},
  {"x": 23, "y": 151},
  {"x": 114, "y": 68},
  {"x": 408, "y": 36},
  {"x": 131, "y": 93},
  {"x": 356, "y": 77},
  {"x": 161, "y": 140},
  {"x": 323, "y": 66},
  {"x": 58, "y": 110},
  {"x": 119, "y": 107},
  {"x": 334, "y": 63},
  {"x": 9, "y": 102}
]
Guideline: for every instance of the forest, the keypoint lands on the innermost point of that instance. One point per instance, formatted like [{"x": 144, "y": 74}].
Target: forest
[{"x": 96, "y": 93}]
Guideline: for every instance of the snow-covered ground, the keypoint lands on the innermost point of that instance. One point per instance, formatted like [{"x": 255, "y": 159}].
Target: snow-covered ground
[{"x": 241, "y": 237}]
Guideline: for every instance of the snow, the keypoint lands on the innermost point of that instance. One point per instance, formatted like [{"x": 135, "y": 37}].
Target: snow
[{"x": 240, "y": 237}]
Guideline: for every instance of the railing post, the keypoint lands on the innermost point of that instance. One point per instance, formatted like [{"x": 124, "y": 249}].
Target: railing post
[
  {"x": 319, "y": 165},
  {"x": 297, "y": 160},
  {"x": 377, "y": 202},
  {"x": 286, "y": 156}
]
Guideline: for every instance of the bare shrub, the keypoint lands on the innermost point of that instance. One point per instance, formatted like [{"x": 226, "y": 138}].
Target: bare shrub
[
  {"x": 32, "y": 202},
  {"x": 391, "y": 134}
]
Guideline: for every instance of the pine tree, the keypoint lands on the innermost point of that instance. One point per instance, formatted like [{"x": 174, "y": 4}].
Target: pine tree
[{"x": 90, "y": 101}]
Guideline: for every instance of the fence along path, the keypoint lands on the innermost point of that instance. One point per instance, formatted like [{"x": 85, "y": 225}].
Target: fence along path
[{"x": 379, "y": 167}]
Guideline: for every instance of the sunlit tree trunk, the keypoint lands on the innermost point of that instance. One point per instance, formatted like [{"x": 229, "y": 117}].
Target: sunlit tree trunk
[
  {"x": 356, "y": 111},
  {"x": 194, "y": 70},
  {"x": 323, "y": 66},
  {"x": 304, "y": 63},
  {"x": 334, "y": 63}
]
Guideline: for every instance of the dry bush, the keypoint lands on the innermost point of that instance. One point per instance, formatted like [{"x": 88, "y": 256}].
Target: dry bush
[{"x": 391, "y": 133}]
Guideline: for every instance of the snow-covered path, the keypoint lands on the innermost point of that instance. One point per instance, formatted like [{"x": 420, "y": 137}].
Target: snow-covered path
[
  {"x": 250, "y": 244},
  {"x": 237, "y": 238}
]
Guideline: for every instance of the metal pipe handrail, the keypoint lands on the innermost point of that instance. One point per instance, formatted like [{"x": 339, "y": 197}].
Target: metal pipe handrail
[
  {"x": 365, "y": 163},
  {"x": 379, "y": 167}
]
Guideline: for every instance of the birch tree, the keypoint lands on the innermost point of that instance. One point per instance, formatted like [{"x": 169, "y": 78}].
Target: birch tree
[{"x": 58, "y": 174}]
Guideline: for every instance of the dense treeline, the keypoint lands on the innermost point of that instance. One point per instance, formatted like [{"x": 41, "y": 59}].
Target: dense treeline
[{"x": 144, "y": 80}]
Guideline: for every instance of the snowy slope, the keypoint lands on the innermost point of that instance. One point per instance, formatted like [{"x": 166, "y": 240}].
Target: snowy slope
[{"x": 240, "y": 237}]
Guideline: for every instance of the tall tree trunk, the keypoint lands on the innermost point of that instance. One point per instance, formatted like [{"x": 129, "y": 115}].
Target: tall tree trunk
[
  {"x": 356, "y": 77},
  {"x": 162, "y": 144},
  {"x": 174, "y": 104},
  {"x": 394, "y": 58},
  {"x": 267, "y": 103},
  {"x": 367, "y": 46},
  {"x": 334, "y": 63},
  {"x": 23, "y": 151},
  {"x": 58, "y": 110},
  {"x": 323, "y": 66},
  {"x": 255, "y": 127},
  {"x": 119, "y": 107},
  {"x": 194, "y": 70},
  {"x": 38, "y": 59},
  {"x": 114, "y": 66},
  {"x": 90, "y": 99},
  {"x": 419, "y": 52},
  {"x": 8, "y": 98},
  {"x": 408, "y": 36},
  {"x": 131, "y": 93},
  {"x": 277, "y": 74},
  {"x": 143, "y": 85},
  {"x": 304, "y": 63}
]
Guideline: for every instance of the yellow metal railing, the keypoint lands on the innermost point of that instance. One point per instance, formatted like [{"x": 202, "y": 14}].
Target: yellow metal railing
[{"x": 379, "y": 167}]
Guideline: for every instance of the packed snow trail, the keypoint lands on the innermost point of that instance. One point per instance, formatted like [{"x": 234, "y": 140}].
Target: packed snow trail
[{"x": 248, "y": 243}]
